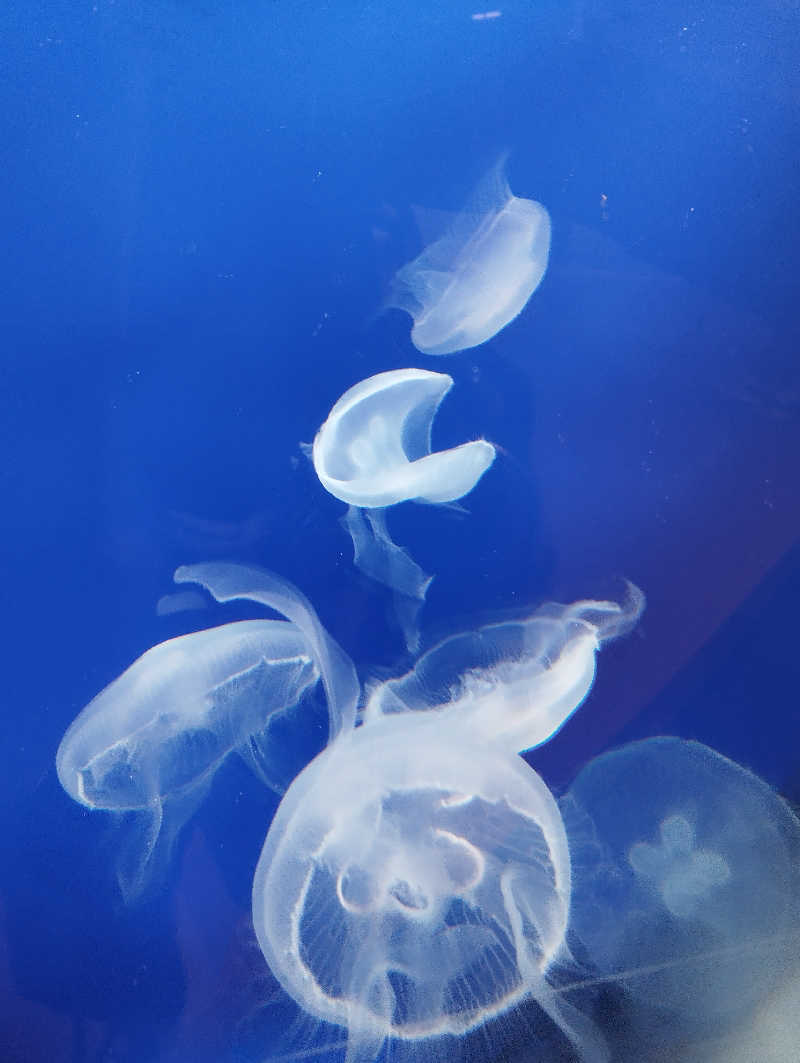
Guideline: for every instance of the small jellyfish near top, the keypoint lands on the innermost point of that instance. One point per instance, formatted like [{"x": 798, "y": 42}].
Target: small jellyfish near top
[
  {"x": 374, "y": 449},
  {"x": 415, "y": 884},
  {"x": 151, "y": 741},
  {"x": 686, "y": 869},
  {"x": 515, "y": 683},
  {"x": 476, "y": 278}
]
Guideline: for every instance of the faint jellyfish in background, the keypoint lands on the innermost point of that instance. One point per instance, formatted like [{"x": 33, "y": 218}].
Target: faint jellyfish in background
[
  {"x": 476, "y": 278},
  {"x": 151, "y": 742},
  {"x": 413, "y": 886},
  {"x": 516, "y": 683},
  {"x": 686, "y": 870},
  {"x": 374, "y": 451}
]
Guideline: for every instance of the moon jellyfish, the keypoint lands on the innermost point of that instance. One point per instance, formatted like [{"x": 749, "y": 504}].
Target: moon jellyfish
[
  {"x": 686, "y": 880},
  {"x": 373, "y": 451},
  {"x": 415, "y": 884},
  {"x": 476, "y": 278},
  {"x": 515, "y": 683},
  {"x": 151, "y": 741},
  {"x": 375, "y": 447}
]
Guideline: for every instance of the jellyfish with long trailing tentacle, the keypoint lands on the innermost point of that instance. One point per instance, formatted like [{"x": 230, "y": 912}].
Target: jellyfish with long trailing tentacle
[
  {"x": 374, "y": 451},
  {"x": 151, "y": 742}
]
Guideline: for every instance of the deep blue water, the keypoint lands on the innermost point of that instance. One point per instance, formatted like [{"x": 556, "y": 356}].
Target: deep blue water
[{"x": 204, "y": 203}]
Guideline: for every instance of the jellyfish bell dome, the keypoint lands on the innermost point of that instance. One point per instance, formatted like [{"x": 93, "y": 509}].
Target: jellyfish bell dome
[
  {"x": 413, "y": 884},
  {"x": 479, "y": 275},
  {"x": 374, "y": 449}
]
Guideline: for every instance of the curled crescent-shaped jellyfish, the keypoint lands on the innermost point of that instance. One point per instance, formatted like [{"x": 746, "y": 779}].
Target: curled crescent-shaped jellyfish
[
  {"x": 687, "y": 874},
  {"x": 515, "y": 683},
  {"x": 151, "y": 741},
  {"x": 415, "y": 884},
  {"x": 374, "y": 449},
  {"x": 476, "y": 278}
]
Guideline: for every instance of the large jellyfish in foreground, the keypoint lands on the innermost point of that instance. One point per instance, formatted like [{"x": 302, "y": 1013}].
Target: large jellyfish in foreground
[
  {"x": 415, "y": 882},
  {"x": 686, "y": 888},
  {"x": 478, "y": 276},
  {"x": 373, "y": 451}
]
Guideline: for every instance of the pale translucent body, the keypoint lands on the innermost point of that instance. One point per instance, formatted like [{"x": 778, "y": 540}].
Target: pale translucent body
[
  {"x": 414, "y": 884},
  {"x": 476, "y": 278},
  {"x": 228, "y": 582},
  {"x": 378, "y": 556},
  {"x": 374, "y": 449},
  {"x": 514, "y": 684},
  {"x": 151, "y": 741},
  {"x": 179, "y": 709},
  {"x": 686, "y": 884}
]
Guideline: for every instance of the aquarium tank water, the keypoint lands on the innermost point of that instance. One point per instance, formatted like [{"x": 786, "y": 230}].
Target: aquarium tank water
[{"x": 400, "y": 481}]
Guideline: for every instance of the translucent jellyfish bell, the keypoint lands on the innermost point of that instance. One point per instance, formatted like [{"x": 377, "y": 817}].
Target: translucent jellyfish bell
[
  {"x": 515, "y": 683},
  {"x": 413, "y": 885},
  {"x": 374, "y": 449},
  {"x": 151, "y": 741},
  {"x": 478, "y": 276},
  {"x": 686, "y": 884}
]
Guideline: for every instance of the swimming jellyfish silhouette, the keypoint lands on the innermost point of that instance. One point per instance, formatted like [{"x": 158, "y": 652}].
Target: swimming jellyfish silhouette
[
  {"x": 686, "y": 884},
  {"x": 476, "y": 278},
  {"x": 515, "y": 683},
  {"x": 151, "y": 741},
  {"x": 374, "y": 451}
]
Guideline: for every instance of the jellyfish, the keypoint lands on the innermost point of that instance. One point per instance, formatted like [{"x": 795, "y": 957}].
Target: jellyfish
[
  {"x": 374, "y": 451},
  {"x": 516, "y": 683},
  {"x": 476, "y": 278},
  {"x": 415, "y": 884},
  {"x": 686, "y": 874},
  {"x": 151, "y": 741}
]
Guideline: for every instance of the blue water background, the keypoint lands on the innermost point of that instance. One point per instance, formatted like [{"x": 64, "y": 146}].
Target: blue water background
[{"x": 203, "y": 205}]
